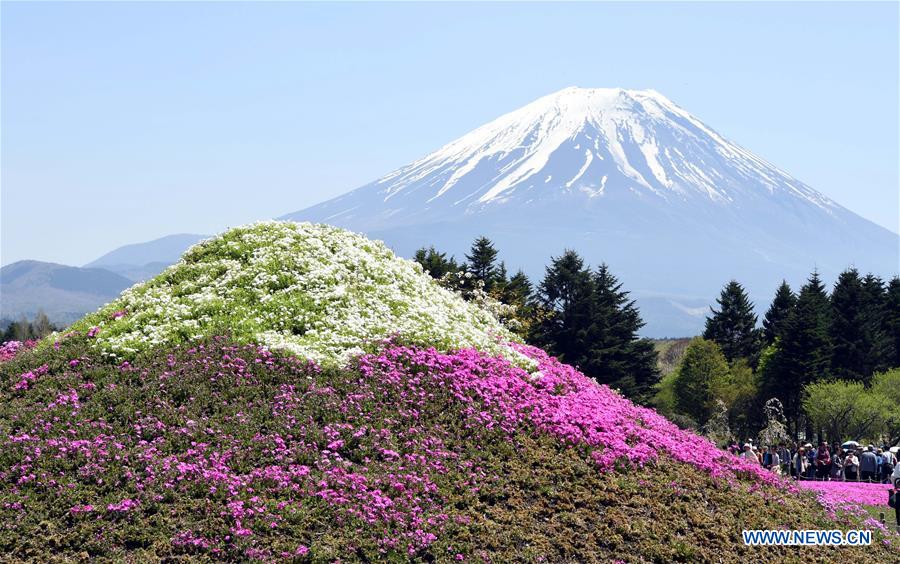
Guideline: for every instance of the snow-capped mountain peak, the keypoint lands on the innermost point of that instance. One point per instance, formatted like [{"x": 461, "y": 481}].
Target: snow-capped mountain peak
[{"x": 590, "y": 142}]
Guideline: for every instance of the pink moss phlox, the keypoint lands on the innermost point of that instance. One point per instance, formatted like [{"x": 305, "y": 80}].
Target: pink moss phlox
[
  {"x": 847, "y": 496},
  {"x": 560, "y": 400},
  {"x": 10, "y": 349}
]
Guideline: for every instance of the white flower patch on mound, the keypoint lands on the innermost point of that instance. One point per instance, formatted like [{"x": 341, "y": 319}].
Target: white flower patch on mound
[{"x": 317, "y": 291}]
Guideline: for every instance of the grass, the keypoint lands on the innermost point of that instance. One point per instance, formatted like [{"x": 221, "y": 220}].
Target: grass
[{"x": 890, "y": 516}]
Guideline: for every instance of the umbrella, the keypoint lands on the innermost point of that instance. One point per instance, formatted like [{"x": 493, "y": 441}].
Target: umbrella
[{"x": 850, "y": 444}]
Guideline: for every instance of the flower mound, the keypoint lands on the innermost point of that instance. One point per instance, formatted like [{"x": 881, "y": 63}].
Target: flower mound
[
  {"x": 216, "y": 450},
  {"x": 317, "y": 291},
  {"x": 354, "y": 411}
]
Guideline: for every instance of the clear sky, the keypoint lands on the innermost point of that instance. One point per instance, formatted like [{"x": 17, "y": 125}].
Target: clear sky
[{"x": 123, "y": 122}]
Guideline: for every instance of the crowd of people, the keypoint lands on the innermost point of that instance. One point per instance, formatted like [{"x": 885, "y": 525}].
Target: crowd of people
[{"x": 827, "y": 462}]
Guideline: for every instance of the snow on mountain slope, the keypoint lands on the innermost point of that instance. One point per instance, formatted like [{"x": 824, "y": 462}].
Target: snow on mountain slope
[
  {"x": 586, "y": 143},
  {"x": 623, "y": 176}
]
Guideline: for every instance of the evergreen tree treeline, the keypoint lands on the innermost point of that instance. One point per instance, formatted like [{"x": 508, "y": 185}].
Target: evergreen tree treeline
[
  {"x": 582, "y": 316},
  {"x": 812, "y": 336}
]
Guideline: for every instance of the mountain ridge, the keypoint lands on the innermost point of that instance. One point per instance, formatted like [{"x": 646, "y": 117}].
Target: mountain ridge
[{"x": 63, "y": 292}]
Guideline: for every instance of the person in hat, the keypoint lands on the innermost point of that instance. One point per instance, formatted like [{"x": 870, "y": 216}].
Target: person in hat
[
  {"x": 851, "y": 466},
  {"x": 810, "y": 461},
  {"x": 748, "y": 453}
]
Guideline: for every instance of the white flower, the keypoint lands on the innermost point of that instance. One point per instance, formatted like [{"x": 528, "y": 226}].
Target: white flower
[{"x": 317, "y": 291}]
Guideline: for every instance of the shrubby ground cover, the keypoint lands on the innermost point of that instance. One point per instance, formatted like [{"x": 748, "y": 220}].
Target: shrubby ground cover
[{"x": 211, "y": 447}]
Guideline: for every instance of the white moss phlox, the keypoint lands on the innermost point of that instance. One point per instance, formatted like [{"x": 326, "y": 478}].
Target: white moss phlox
[{"x": 315, "y": 290}]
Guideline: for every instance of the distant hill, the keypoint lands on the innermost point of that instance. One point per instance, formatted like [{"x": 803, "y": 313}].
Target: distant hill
[
  {"x": 64, "y": 293},
  {"x": 141, "y": 261}
]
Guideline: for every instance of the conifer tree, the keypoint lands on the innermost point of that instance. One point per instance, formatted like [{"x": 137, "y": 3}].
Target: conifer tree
[
  {"x": 518, "y": 290},
  {"x": 892, "y": 323},
  {"x": 518, "y": 293},
  {"x": 500, "y": 281},
  {"x": 848, "y": 331},
  {"x": 617, "y": 356},
  {"x": 804, "y": 354},
  {"x": 435, "y": 263},
  {"x": 776, "y": 316},
  {"x": 879, "y": 345},
  {"x": 481, "y": 261},
  {"x": 733, "y": 326},
  {"x": 565, "y": 299}
]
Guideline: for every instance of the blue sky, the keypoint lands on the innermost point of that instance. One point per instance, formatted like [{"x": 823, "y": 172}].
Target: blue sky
[{"x": 123, "y": 122}]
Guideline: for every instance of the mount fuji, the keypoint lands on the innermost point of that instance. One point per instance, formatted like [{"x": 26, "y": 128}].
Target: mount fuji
[{"x": 625, "y": 177}]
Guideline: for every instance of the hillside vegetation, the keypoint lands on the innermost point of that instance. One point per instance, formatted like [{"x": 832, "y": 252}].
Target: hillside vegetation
[{"x": 133, "y": 439}]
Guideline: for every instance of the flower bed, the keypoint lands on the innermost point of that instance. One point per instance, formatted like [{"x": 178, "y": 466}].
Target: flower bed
[{"x": 835, "y": 494}]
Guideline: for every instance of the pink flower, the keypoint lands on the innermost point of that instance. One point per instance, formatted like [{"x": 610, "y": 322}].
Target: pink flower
[
  {"x": 841, "y": 494},
  {"x": 123, "y": 506}
]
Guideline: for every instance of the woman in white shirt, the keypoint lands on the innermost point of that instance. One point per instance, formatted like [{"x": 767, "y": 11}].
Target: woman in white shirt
[{"x": 851, "y": 466}]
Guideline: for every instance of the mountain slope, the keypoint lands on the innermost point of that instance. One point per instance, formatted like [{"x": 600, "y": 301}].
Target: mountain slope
[
  {"x": 625, "y": 177},
  {"x": 64, "y": 293}
]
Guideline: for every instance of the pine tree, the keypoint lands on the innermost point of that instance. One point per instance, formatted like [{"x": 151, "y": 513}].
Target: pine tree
[
  {"x": 776, "y": 316},
  {"x": 500, "y": 282},
  {"x": 518, "y": 290},
  {"x": 565, "y": 299},
  {"x": 879, "y": 345},
  {"x": 435, "y": 263},
  {"x": 804, "y": 353},
  {"x": 617, "y": 356},
  {"x": 482, "y": 262},
  {"x": 733, "y": 326},
  {"x": 848, "y": 331},
  {"x": 703, "y": 364},
  {"x": 892, "y": 323}
]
